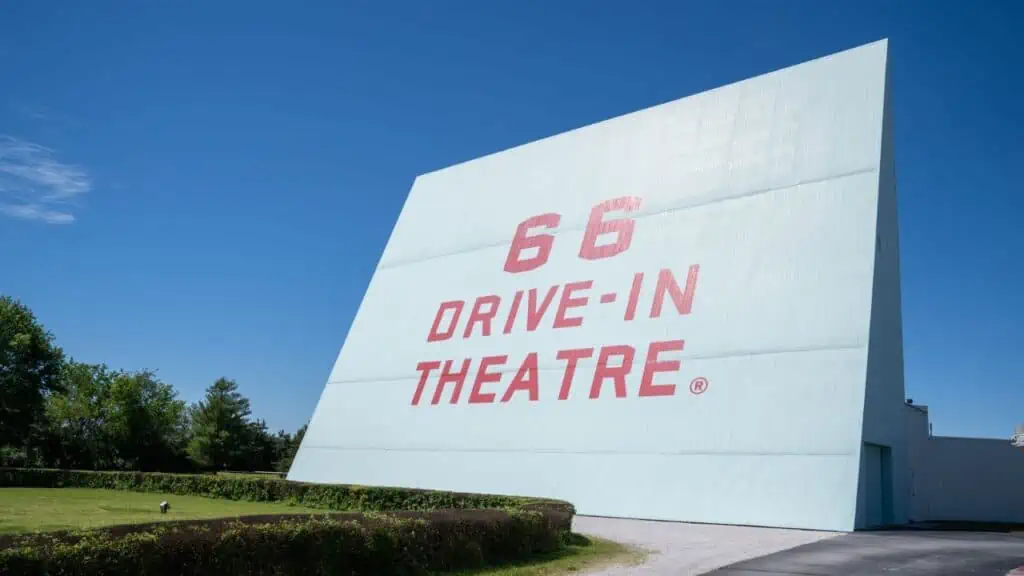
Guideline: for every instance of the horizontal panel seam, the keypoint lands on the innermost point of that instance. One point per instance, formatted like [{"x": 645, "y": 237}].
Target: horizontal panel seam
[
  {"x": 567, "y": 452},
  {"x": 638, "y": 215},
  {"x": 584, "y": 362}
]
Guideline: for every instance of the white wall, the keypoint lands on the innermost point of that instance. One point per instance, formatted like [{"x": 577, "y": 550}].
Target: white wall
[
  {"x": 964, "y": 479},
  {"x": 917, "y": 434},
  {"x": 770, "y": 186},
  {"x": 884, "y": 397}
]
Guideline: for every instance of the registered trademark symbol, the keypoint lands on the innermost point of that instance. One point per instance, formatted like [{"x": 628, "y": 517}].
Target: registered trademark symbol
[{"x": 698, "y": 385}]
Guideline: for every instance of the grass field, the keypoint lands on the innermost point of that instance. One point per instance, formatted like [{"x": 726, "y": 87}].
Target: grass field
[
  {"x": 584, "y": 554},
  {"x": 45, "y": 509}
]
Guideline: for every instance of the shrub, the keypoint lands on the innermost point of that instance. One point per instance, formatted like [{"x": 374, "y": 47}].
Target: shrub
[
  {"x": 326, "y": 496},
  {"x": 424, "y": 531},
  {"x": 336, "y": 544}
]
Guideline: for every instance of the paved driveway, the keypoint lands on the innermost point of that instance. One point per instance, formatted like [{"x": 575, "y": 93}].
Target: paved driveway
[
  {"x": 905, "y": 552},
  {"x": 683, "y": 549},
  {"x": 678, "y": 548}
]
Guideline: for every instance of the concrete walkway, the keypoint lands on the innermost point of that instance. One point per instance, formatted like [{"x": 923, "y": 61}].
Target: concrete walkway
[{"x": 685, "y": 549}]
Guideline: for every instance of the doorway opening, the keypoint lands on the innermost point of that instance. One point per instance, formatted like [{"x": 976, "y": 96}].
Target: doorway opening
[{"x": 876, "y": 469}]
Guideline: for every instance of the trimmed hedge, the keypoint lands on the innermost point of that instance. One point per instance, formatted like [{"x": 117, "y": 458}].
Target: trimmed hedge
[
  {"x": 326, "y": 496},
  {"x": 335, "y": 544},
  {"x": 424, "y": 531}
]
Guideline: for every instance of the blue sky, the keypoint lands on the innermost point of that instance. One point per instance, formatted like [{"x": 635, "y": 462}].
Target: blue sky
[{"x": 206, "y": 187}]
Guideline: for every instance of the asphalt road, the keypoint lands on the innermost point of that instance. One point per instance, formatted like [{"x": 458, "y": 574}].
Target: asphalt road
[
  {"x": 690, "y": 549},
  {"x": 893, "y": 552}
]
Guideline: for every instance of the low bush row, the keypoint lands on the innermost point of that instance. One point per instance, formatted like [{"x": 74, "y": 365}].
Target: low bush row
[
  {"x": 336, "y": 544},
  {"x": 326, "y": 496}
]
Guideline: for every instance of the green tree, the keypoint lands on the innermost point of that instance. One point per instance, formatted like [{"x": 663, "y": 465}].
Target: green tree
[
  {"x": 115, "y": 420},
  {"x": 262, "y": 450},
  {"x": 145, "y": 423},
  {"x": 293, "y": 443},
  {"x": 30, "y": 369},
  {"x": 76, "y": 437},
  {"x": 221, "y": 431}
]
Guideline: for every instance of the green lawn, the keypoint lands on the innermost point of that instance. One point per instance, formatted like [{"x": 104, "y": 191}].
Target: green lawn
[
  {"x": 584, "y": 554},
  {"x": 44, "y": 509},
  {"x": 47, "y": 509}
]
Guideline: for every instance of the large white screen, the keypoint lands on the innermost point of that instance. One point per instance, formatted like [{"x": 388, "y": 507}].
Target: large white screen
[{"x": 752, "y": 206}]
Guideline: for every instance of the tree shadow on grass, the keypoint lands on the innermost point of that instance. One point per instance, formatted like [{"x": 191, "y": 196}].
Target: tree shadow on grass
[{"x": 579, "y": 552}]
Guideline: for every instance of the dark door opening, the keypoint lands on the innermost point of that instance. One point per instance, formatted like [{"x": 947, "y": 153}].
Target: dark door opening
[{"x": 877, "y": 483}]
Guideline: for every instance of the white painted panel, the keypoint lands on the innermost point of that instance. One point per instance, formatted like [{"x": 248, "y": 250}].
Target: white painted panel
[
  {"x": 802, "y": 124},
  {"x": 969, "y": 479},
  {"x": 769, "y": 186},
  {"x": 961, "y": 479},
  {"x": 793, "y": 491},
  {"x": 781, "y": 271},
  {"x": 884, "y": 396},
  {"x": 759, "y": 422}
]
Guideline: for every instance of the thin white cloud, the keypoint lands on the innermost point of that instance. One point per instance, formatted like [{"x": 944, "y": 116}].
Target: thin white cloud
[{"x": 35, "y": 186}]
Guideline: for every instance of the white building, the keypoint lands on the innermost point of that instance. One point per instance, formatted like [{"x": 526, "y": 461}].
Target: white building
[
  {"x": 690, "y": 312},
  {"x": 965, "y": 479}
]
